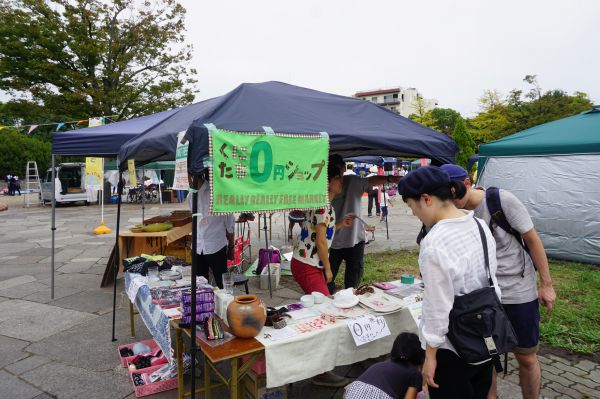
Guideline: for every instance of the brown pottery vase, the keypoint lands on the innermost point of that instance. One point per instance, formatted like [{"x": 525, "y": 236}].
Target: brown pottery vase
[{"x": 246, "y": 316}]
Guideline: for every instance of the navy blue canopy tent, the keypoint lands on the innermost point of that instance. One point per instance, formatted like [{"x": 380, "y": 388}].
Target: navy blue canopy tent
[
  {"x": 355, "y": 127},
  {"x": 372, "y": 160}
]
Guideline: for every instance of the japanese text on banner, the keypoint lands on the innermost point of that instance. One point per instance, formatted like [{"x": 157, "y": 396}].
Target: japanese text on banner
[
  {"x": 254, "y": 172},
  {"x": 131, "y": 170},
  {"x": 180, "y": 181},
  {"x": 93, "y": 173}
]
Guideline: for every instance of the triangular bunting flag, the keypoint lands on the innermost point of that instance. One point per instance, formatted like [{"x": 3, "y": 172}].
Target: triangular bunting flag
[
  {"x": 60, "y": 124},
  {"x": 32, "y": 128}
]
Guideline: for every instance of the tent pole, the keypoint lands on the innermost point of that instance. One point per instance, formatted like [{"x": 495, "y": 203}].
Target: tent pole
[
  {"x": 159, "y": 189},
  {"x": 387, "y": 231},
  {"x": 143, "y": 195},
  {"x": 53, "y": 227},
  {"x": 117, "y": 255},
  {"x": 193, "y": 348},
  {"x": 267, "y": 248}
]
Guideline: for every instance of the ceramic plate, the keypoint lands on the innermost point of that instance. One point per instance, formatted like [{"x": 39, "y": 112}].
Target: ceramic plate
[{"x": 347, "y": 305}]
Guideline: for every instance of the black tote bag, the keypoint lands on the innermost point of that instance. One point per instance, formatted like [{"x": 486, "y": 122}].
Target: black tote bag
[{"x": 479, "y": 328}]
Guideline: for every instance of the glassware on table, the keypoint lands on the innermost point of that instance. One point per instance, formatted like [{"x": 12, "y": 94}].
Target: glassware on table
[{"x": 228, "y": 283}]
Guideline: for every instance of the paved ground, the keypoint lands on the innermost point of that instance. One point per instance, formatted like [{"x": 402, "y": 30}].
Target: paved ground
[{"x": 62, "y": 348}]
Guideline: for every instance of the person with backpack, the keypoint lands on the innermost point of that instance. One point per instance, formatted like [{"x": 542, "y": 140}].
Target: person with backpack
[
  {"x": 456, "y": 258},
  {"x": 519, "y": 253}
]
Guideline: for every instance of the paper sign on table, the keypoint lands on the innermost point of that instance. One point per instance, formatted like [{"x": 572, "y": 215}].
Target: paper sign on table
[
  {"x": 284, "y": 333},
  {"x": 367, "y": 329},
  {"x": 302, "y": 314}
]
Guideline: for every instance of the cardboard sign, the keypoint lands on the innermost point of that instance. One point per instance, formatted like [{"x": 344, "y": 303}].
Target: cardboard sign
[
  {"x": 267, "y": 172},
  {"x": 181, "y": 182},
  {"x": 367, "y": 329}
]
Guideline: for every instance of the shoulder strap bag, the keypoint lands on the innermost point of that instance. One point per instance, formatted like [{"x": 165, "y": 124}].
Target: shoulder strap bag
[{"x": 479, "y": 328}]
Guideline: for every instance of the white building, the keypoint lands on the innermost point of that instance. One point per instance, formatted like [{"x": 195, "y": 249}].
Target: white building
[{"x": 398, "y": 99}]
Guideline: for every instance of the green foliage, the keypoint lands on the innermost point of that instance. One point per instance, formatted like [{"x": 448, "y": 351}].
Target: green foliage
[
  {"x": 81, "y": 58},
  {"x": 18, "y": 148},
  {"x": 518, "y": 111},
  {"x": 466, "y": 145},
  {"x": 440, "y": 119}
]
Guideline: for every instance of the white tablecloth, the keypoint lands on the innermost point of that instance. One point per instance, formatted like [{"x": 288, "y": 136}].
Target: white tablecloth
[{"x": 308, "y": 354}]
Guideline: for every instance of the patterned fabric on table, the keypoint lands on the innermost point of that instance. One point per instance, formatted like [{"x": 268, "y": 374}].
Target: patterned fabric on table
[
  {"x": 360, "y": 390},
  {"x": 153, "y": 317}
]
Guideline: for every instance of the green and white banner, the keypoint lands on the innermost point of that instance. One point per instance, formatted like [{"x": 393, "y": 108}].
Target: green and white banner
[{"x": 267, "y": 172}]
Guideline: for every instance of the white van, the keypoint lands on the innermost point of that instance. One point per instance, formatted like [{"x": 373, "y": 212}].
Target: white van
[{"x": 70, "y": 183}]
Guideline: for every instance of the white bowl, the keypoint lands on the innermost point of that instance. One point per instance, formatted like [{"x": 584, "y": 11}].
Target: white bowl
[
  {"x": 307, "y": 300},
  {"x": 318, "y": 296}
]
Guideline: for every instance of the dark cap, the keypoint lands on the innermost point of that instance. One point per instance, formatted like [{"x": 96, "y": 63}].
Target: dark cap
[
  {"x": 424, "y": 180},
  {"x": 336, "y": 159},
  {"x": 455, "y": 172}
]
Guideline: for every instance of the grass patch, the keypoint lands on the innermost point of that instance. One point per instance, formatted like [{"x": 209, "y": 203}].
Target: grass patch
[{"x": 574, "y": 323}]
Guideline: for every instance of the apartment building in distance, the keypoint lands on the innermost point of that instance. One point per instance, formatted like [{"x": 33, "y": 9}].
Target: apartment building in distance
[{"x": 397, "y": 99}]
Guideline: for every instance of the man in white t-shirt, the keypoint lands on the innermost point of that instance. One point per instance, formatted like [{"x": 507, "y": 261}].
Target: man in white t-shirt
[
  {"x": 349, "y": 244},
  {"x": 516, "y": 276}
]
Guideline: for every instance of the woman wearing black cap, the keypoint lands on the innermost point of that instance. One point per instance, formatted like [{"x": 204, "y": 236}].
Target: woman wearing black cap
[{"x": 451, "y": 262}]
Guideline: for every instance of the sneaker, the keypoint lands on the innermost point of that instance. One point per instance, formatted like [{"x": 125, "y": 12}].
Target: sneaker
[
  {"x": 330, "y": 379},
  {"x": 370, "y": 215},
  {"x": 378, "y": 214}
]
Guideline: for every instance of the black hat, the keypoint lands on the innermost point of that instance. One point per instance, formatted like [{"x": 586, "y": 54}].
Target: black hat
[
  {"x": 336, "y": 159},
  {"x": 424, "y": 180}
]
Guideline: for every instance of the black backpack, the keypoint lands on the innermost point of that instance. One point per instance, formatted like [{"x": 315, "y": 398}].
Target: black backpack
[{"x": 494, "y": 205}]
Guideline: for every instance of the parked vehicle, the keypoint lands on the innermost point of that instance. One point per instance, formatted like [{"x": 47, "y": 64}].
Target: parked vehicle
[{"x": 70, "y": 183}]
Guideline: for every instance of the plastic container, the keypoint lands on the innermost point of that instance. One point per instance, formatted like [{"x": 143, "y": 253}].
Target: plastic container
[
  {"x": 156, "y": 387},
  {"x": 275, "y": 276},
  {"x": 124, "y": 360}
]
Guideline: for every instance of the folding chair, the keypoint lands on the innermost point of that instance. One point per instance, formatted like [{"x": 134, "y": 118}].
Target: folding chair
[{"x": 235, "y": 266}]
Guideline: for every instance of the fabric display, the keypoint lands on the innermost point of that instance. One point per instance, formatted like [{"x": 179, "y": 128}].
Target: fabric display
[
  {"x": 205, "y": 306},
  {"x": 200, "y": 308},
  {"x": 126, "y": 352},
  {"x": 203, "y": 295},
  {"x": 212, "y": 328},
  {"x": 144, "y": 361},
  {"x": 140, "y": 264}
]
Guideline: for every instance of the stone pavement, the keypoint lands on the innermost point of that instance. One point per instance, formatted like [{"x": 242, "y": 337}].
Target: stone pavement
[{"x": 61, "y": 347}]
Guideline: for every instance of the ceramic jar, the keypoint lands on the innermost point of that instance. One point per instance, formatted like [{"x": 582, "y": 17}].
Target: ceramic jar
[{"x": 246, "y": 316}]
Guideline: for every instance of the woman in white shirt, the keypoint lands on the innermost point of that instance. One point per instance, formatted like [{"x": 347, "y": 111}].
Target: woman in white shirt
[{"x": 451, "y": 262}]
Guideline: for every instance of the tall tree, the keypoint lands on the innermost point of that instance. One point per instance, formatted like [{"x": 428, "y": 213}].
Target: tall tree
[
  {"x": 501, "y": 117},
  {"x": 466, "y": 145},
  {"x": 79, "y": 58},
  {"x": 441, "y": 119}
]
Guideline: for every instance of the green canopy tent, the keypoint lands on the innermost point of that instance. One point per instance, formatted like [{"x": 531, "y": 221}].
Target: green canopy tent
[{"x": 553, "y": 169}]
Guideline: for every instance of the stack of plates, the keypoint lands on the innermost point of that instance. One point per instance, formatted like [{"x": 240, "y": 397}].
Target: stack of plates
[{"x": 380, "y": 302}]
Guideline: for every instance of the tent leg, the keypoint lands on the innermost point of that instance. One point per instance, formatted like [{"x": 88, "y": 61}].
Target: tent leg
[
  {"x": 387, "y": 231},
  {"x": 53, "y": 227},
  {"x": 267, "y": 247},
  {"x": 143, "y": 195},
  {"x": 159, "y": 190},
  {"x": 117, "y": 255},
  {"x": 193, "y": 348}
]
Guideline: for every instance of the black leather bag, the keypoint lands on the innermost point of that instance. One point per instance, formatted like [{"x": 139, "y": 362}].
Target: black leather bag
[{"x": 479, "y": 328}]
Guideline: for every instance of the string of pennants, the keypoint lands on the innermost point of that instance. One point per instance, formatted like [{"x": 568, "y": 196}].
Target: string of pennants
[{"x": 59, "y": 125}]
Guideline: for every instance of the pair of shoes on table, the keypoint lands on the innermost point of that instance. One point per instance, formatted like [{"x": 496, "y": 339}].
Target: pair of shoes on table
[{"x": 330, "y": 379}]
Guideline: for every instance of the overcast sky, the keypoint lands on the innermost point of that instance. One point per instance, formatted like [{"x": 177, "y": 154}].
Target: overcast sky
[{"x": 448, "y": 50}]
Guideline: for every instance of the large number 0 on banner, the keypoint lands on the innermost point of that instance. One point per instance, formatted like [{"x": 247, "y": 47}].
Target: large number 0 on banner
[{"x": 263, "y": 172}]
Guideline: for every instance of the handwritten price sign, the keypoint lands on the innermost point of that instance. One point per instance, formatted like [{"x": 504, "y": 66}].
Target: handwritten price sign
[{"x": 366, "y": 329}]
